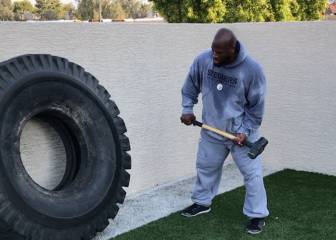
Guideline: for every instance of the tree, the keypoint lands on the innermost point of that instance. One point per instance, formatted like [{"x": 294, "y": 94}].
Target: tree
[
  {"x": 86, "y": 9},
  {"x": 210, "y": 11},
  {"x": 131, "y": 7},
  {"x": 89, "y": 9},
  {"x": 6, "y": 10},
  {"x": 48, "y": 9},
  {"x": 214, "y": 11},
  {"x": 311, "y": 10},
  {"x": 112, "y": 9},
  {"x": 22, "y": 7},
  {"x": 144, "y": 10},
  {"x": 68, "y": 10},
  {"x": 294, "y": 8},
  {"x": 116, "y": 11},
  {"x": 284, "y": 10},
  {"x": 249, "y": 11},
  {"x": 106, "y": 8},
  {"x": 172, "y": 10}
]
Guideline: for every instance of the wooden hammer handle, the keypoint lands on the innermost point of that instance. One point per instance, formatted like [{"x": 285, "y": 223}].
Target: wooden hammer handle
[{"x": 212, "y": 129}]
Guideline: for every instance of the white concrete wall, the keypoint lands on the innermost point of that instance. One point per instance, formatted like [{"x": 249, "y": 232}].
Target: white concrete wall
[{"x": 144, "y": 65}]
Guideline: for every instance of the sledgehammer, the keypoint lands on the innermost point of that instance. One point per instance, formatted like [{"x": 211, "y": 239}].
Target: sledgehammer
[{"x": 256, "y": 148}]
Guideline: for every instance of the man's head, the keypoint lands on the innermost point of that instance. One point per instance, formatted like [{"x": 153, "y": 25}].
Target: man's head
[{"x": 224, "y": 47}]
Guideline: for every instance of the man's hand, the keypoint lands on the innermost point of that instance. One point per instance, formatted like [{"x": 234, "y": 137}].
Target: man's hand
[
  {"x": 188, "y": 119},
  {"x": 240, "y": 138}
]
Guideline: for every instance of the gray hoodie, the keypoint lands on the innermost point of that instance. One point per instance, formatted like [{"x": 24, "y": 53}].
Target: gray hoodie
[{"x": 232, "y": 95}]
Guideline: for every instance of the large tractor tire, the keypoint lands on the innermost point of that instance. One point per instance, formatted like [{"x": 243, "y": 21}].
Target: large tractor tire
[{"x": 70, "y": 99}]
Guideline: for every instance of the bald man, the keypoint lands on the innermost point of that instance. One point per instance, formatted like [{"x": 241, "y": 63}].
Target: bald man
[{"x": 233, "y": 89}]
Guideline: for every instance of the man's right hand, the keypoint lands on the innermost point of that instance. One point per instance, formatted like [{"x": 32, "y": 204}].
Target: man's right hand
[{"x": 188, "y": 119}]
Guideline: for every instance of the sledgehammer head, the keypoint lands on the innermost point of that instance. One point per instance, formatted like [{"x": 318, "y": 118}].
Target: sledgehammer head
[{"x": 257, "y": 147}]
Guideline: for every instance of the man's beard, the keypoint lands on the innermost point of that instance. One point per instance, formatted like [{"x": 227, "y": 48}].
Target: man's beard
[
  {"x": 224, "y": 62},
  {"x": 227, "y": 61}
]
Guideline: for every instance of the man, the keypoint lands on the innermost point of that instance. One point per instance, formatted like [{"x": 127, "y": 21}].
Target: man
[{"x": 233, "y": 90}]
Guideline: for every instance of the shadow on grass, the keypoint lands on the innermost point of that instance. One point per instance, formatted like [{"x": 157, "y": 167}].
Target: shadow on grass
[{"x": 302, "y": 206}]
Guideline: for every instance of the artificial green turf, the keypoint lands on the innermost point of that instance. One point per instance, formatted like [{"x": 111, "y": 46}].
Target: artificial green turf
[{"x": 302, "y": 206}]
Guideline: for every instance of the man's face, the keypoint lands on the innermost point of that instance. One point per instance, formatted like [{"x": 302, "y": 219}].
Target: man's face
[{"x": 222, "y": 53}]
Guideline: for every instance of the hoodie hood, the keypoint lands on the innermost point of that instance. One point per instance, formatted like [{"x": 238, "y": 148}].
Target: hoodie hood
[
  {"x": 232, "y": 95},
  {"x": 240, "y": 58}
]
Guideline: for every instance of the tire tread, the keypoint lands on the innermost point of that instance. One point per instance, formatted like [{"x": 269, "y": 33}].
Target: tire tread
[{"x": 11, "y": 71}]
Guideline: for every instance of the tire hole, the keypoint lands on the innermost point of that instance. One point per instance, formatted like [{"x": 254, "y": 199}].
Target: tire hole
[{"x": 43, "y": 154}]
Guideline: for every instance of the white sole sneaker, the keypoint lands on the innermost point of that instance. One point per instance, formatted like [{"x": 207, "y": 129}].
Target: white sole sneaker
[
  {"x": 254, "y": 232},
  {"x": 199, "y": 213}
]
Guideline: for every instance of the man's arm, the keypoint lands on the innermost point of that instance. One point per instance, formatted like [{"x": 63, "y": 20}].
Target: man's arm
[
  {"x": 190, "y": 91},
  {"x": 254, "y": 109}
]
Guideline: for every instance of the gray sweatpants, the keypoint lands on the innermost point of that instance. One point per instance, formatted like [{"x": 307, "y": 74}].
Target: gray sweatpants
[{"x": 210, "y": 158}]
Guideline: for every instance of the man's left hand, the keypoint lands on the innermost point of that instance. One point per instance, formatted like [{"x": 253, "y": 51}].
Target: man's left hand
[{"x": 240, "y": 138}]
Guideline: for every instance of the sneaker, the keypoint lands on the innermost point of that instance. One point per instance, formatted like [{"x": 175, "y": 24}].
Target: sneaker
[
  {"x": 256, "y": 225},
  {"x": 195, "y": 210}
]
